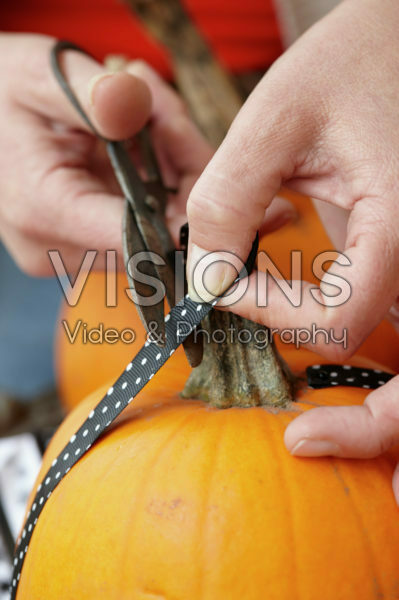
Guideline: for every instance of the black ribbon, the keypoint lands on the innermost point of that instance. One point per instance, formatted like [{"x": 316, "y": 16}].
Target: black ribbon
[
  {"x": 136, "y": 375},
  {"x": 323, "y": 376},
  {"x": 179, "y": 323}
]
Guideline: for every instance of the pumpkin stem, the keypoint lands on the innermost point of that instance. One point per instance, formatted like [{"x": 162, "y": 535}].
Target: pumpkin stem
[{"x": 240, "y": 367}]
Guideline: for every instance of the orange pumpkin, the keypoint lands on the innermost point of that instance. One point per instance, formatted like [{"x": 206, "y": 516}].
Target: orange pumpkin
[
  {"x": 83, "y": 367},
  {"x": 182, "y": 501}
]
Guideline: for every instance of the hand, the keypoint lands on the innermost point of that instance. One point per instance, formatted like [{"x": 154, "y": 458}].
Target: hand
[
  {"x": 323, "y": 122},
  {"x": 350, "y": 431},
  {"x": 57, "y": 189}
]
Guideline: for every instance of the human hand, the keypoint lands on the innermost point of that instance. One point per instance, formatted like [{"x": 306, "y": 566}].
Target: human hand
[
  {"x": 350, "y": 431},
  {"x": 57, "y": 188},
  {"x": 323, "y": 122}
]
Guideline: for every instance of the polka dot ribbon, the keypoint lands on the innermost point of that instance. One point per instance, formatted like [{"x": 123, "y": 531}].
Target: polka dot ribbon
[
  {"x": 323, "y": 376},
  {"x": 179, "y": 323}
]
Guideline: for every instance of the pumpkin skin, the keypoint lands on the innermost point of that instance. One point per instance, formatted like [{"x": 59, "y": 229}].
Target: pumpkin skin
[
  {"x": 180, "y": 501},
  {"x": 82, "y": 368}
]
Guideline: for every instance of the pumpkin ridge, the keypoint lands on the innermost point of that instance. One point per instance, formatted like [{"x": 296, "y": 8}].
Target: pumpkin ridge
[{"x": 335, "y": 465}]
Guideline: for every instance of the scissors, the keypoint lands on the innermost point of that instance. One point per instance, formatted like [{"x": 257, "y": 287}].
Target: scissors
[{"x": 145, "y": 235}]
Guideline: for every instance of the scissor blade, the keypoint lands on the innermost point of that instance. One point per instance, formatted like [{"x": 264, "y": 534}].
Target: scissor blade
[
  {"x": 147, "y": 214},
  {"x": 152, "y": 315},
  {"x": 145, "y": 231},
  {"x": 134, "y": 249}
]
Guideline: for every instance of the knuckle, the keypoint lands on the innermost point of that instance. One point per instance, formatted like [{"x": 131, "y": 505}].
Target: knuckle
[
  {"x": 177, "y": 104},
  {"x": 181, "y": 124},
  {"x": 32, "y": 60},
  {"x": 33, "y": 262},
  {"x": 23, "y": 220},
  {"x": 181, "y": 106},
  {"x": 12, "y": 214},
  {"x": 203, "y": 207},
  {"x": 384, "y": 415},
  {"x": 221, "y": 199},
  {"x": 339, "y": 353},
  {"x": 217, "y": 210},
  {"x": 334, "y": 352},
  {"x": 140, "y": 68}
]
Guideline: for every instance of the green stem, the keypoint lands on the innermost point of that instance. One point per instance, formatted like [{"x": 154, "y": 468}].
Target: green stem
[{"x": 240, "y": 367}]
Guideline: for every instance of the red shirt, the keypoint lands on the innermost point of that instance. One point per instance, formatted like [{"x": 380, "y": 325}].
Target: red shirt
[{"x": 244, "y": 35}]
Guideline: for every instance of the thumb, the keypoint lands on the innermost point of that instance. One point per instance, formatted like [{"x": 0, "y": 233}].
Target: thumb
[
  {"x": 349, "y": 431},
  {"x": 118, "y": 104},
  {"x": 227, "y": 204}
]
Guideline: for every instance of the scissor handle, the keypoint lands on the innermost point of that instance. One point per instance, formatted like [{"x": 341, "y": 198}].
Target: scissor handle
[{"x": 61, "y": 46}]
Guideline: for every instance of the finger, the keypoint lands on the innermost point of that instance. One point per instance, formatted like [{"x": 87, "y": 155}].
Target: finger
[
  {"x": 91, "y": 221},
  {"x": 178, "y": 140},
  {"x": 118, "y": 104},
  {"x": 181, "y": 146},
  {"x": 91, "y": 217},
  {"x": 393, "y": 314},
  {"x": 335, "y": 221},
  {"x": 350, "y": 431},
  {"x": 59, "y": 202},
  {"x": 354, "y": 294},
  {"x": 182, "y": 154},
  {"x": 33, "y": 256},
  {"x": 181, "y": 149},
  {"x": 227, "y": 205},
  {"x": 166, "y": 102},
  {"x": 83, "y": 217},
  {"x": 281, "y": 212},
  {"x": 30, "y": 255},
  {"x": 395, "y": 483}
]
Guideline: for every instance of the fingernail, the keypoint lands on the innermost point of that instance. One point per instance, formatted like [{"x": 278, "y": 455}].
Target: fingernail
[
  {"x": 193, "y": 294},
  {"x": 92, "y": 86},
  {"x": 138, "y": 66},
  {"x": 208, "y": 274},
  {"x": 308, "y": 447}
]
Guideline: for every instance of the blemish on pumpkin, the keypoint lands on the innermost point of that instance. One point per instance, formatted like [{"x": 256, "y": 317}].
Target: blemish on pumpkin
[
  {"x": 395, "y": 589},
  {"x": 165, "y": 509},
  {"x": 379, "y": 594},
  {"x": 175, "y": 503}
]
